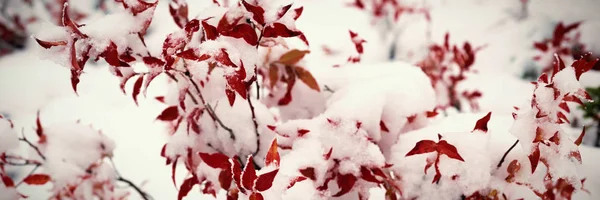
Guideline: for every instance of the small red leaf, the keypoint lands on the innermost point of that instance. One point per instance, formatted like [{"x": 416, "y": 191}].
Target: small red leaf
[
  {"x": 236, "y": 168},
  {"x": 243, "y": 31},
  {"x": 273, "y": 154},
  {"x": 345, "y": 182},
  {"x": 173, "y": 171},
  {"x": 423, "y": 146},
  {"x": 265, "y": 181},
  {"x": 482, "y": 123},
  {"x": 444, "y": 147},
  {"x": 169, "y": 114},
  {"x": 308, "y": 172},
  {"x": 8, "y": 182},
  {"x": 136, "y": 88},
  {"x": 216, "y": 160},
  {"x": 298, "y": 12},
  {"x": 257, "y": 12},
  {"x": 367, "y": 175},
  {"x": 534, "y": 158},
  {"x": 279, "y": 30},
  {"x": 249, "y": 175},
  {"x": 383, "y": 127},
  {"x": 580, "y": 138},
  {"x": 283, "y": 10},
  {"x": 302, "y": 132},
  {"x": 328, "y": 154},
  {"x": 225, "y": 178},
  {"x": 37, "y": 179},
  {"x": 186, "y": 186},
  {"x": 256, "y": 196},
  {"x": 296, "y": 180},
  {"x": 230, "y": 96},
  {"x": 271, "y": 127},
  {"x": 210, "y": 32}
]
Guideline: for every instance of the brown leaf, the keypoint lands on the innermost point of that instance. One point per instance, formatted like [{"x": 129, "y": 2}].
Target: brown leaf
[
  {"x": 306, "y": 77},
  {"x": 273, "y": 75},
  {"x": 292, "y": 56}
]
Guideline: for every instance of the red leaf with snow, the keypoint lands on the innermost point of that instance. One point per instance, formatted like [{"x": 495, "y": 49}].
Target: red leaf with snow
[
  {"x": 298, "y": 12},
  {"x": 186, "y": 186},
  {"x": 224, "y": 24},
  {"x": 534, "y": 158},
  {"x": 256, "y": 196},
  {"x": 179, "y": 12},
  {"x": 444, "y": 147},
  {"x": 540, "y": 46},
  {"x": 236, "y": 168},
  {"x": 47, "y": 45},
  {"x": 482, "y": 124},
  {"x": 257, "y": 12},
  {"x": 37, "y": 179},
  {"x": 423, "y": 146},
  {"x": 583, "y": 65},
  {"x": 308, "y": 172},
  {"x": 67, "y": 22},
  {"x": 210, "y": 32},
  {"x": 265, "y": 181},
  {"x": 215, "y": 160},
  {"x": 223, "y": 58},
  {"x": 345, "y": 182},
  {"x": 279, "y": 30},
  {"x": 230, "y": 96},
  {"x": 281, "y": 12},
  {"x": 249, "y": 175},
  {"x": 136, "y": 88},
  {"x": 367, "y": 175},
  {"x": 358, "y": 42},
  {"x": 273, "y": 154},
  {"x": 169, "y": 114},
  {"x": 296, "y": 180},
  {"x": 558, "y": 65}
]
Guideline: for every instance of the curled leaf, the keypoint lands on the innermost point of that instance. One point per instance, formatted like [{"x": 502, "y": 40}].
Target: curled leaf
[{"x": 307, "y": 78}]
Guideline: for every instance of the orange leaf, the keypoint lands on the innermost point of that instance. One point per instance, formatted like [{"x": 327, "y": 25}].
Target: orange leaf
[
  {"x": 307, "y": 78},
  {"x": 273, "y": 75},
  {"x": 272, "y": 155},
  {"x": 37, "y": 179},
  {"x": 292, "y": 56}
]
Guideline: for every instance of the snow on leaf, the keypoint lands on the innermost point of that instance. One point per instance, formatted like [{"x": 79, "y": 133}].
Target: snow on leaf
[
  {"x": 249, "y": 175},
  {"x": 423, "y": 146},
  {"x": 272, "y": 154},
  {"x": 308, "y": 79},
  {"x": 283, "y": 10},
  {"x": 482, "y": 123},
  {"x": 216, "y": 160},
  {"x": 236, "y": 168},
  {"x": 583, "y": 64},
  {"x": 169, "y": 114},
  {"x": 292, "y": 57},
  {"x": 210, "y": 31},
  {"x": 298, "y": 12},
  {"x": 345, "y": 182},
  {"x": 367, "y": 175},
  {"x": 179, "y": 11},
  {"x": 37, "y": 179},
  {"x": 244, "y": 31},
  {"x": 265, "y": 181},
  {"x": 328, "y": 154},
  {"x": 186, "y": 186},
  {"x": 257, "y": 12},
  {"x": 230, "y": 96}
]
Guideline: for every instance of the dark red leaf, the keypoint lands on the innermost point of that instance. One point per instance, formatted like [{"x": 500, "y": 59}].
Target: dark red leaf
[
  {"x": 67, "y": 22},
  {"x": 236, "y": 168},
  {"x": 179, "y": 12},
  {"x": 540, "y": 46},
  {"x": 444, "y": 147},
  {"x": 225, "y": 178},
  {"x": 302, "y": 132},
  {"x": 216, "y": 160},
  {"x": 383, "y": 127},
  {"x": 279, "y": 30},
  {"x": 191, "y": 27},
  {"x": 223, "y": 58},
  {"x": 583, "y": 65},
  {"x": 186, "y": 186},
  {"x": 271, "y": 127},
  {"x": 210, "y": 32},
  {"x": 283, "y": 10},
  {"x": 47, "y": 45},
  {"x": 423, "y": 146},
  {"x": 328, "y": 154},
  {"x": 265, "y": 181},
  {"x": 8, "y": 182},
  {"x": 257, "y": 12},
  {"x": 298, "y": 12},
  {"x": 273, "y": 154},
  {"x": 190, "y": 54},
  {"x": 558, "y": 65},
  {"x": 534, "y": 158},
  {"x": 230, "y": 96},
  {"x": 308, "y": 172},
  {"x": 136, "y": 88},
  {"x": 169, "y": 114},
  {"x": 224, "y": 24},
  {"x": 296, "y": 180},
  {"x": 482, "y": 123},
  {"x": 174, "y": 171},
  {"x": 37, "y": 179},
  {"x": 367, "y": 175},
  {"x": 580, "y": 138},
  {"x": 243, "y": 31},
  {"x": 249, "y": 175},
  {"x": 345, "y": 182}
]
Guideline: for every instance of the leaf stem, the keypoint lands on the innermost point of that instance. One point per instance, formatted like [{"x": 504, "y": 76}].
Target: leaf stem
[{"x": 506, "y": 153}]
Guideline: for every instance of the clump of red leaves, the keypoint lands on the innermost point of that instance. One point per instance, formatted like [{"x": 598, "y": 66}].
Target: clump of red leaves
[{"x": 447, "y": 66}]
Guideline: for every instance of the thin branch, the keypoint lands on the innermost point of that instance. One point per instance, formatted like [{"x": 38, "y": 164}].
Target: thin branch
[
  {"x": 255, "y": 125},
  {"x": 26, "y": 163},
  {"x": 24, "y": 139},
  {"x": 143, "y": 194},
  {"x": 506, "y": 153},
  {"x": 212, "y": 113},
  {"x": 328, "y": 89}
]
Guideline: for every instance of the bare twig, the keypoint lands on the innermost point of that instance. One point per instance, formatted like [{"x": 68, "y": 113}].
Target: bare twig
[
  {"x": 24, "y": 139},
  {"x": 506, "y": 153},
  {"x": 29, "y": 174},
  {"x": 143, "y": 194},
  {"x": 255, "y": 126}
]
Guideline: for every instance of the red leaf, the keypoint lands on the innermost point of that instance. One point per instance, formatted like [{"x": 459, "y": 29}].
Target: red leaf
[
  {"x": 75, "y": 79},
  {"x": 582, "y": 65},
  {"x": 179, "y": 12},
  {"x": 271, "y": 127},
  {"x": 111, "y": 55},
  {"x": 423, "y": 146},
  {"x": 190, "y": 54},
  {"x": 210, "y": 32},
  {"x": 367, "y": 175},
  {"x": 225, "y": 178},
  {"x": 153, "y": 61},
  {"x": 558, "y": 65},
  {"x": 302, "y": 132},
  {"x": 444, "y": 147},
  {"x": 282, "y": 11},
  {"x": 236, "y": 168},
  {"x": 540, "y": 46},
  {"x": 37, "y": 179},
  {"x": 66, "y": 22},
  {"x": 136, "y": 88},
  {"x": 256, "y": 196},
  {"x": 243, "y": 31},
  {"x": 265, "y": 181},
  {"x": 279, "y": 30},
  {"x": 296, "y": 180},
  {"x": 223, "y": 58},
  {"x": 186, "y": 186},
  {"x": 345, "y": 182},
  {"x": 358, "y": 42},
  {"x": 308, "y": 172},
  {"x": 257, "y": 12},
  {"x": 39, "y": 130},
  {"x": 8, "y": 182},
  {"x": 47, "y": 45},
  {"x": 580, "y": 138},
  {"x": 225, "y": 26},
  {"x": 272, "y": 155},
  {"x": 230, "y": 96},
  {"x": 169, "y": 114},
  {"x": 216, "y": 160},
  {"x": 328, "y": 155},
  {"x": 298, "y": 12},
  {"x": 482, "y": 123},
  {"x": 534, "y": 158},
  {"x": 174, "y": 170},
  {"x": 383, "y": 127},
  {"x": 249, "y": 175}
]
